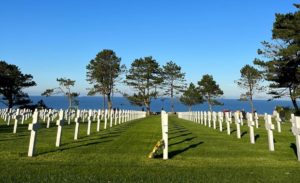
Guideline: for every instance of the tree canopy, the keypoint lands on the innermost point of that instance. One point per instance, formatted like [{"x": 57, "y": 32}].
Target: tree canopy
[
  {"x": 173, "y": 81},
  {"x": 281, "y": 67},
  {"x": 191, "y": 96},
  {"x": 12, "y": 82},
  {"x": 210, "y": 90},
  {"x": 144, "y": 77},
  {"x": 104, "y": 72},
  {"x": 64, "y": 88},
  {"x": 250, "y": 81}
]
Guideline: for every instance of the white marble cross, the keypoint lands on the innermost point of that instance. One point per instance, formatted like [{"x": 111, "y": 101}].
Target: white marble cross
[
  {"x": 241, "y": 118},
  {"x": 251, "y": 128},
  {"x": 105, "y": 118},
  {"x": 227, "y": 118},
  {"x": 209, "y": 118},
  {"x": 270, "y": 127},
  {"x": 90, "y": 117},
  {"x": 116, "y": 116},
  {"x": 292, "y": 119},
  {"x": 296, "y": 132},
  {"x": 120, "y": 116},
  {"x": 214, "y": 119},
  {"x": 111, "y": 117},
  {"x": 238, "y": 124},
  {"x": 165, "y": 131},
  {"x": 221, "y": 118},
  {"x": 202, "y": 117},
  {"x": 34, "y": 126},
  {"x": 49, "y": 118},
  {"x": 205, "y": 118},
  {"x": 98, "y": 120},
  {"x": 59, "y": 123},
  {"x": 77, "y": 122},
  {"x": 278, "y": 120},
  {"x": 256, "y": 120},
  {"x": 17, "y": 118}
]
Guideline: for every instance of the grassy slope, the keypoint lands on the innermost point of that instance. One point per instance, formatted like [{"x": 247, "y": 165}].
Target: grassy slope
[{"x": 198, "y": 154}]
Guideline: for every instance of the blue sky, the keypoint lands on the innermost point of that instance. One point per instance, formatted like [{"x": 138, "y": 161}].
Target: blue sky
[{"x": 58, "y": 38}]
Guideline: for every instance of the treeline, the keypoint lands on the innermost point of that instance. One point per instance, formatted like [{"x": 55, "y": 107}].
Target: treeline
[{"x": 278, "y": 65}]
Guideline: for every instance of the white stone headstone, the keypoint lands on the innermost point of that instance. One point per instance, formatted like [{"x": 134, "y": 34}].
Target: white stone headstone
[
  {"x": 221, "y": 119},
  {"x": 165, "y": 131},
  {"x": 278, "y": 120},
  {"x": 251, "y": 127},
  {"x": 33, "y": 127},
  {"x": 227, "y": 118},
  {"x": 214, "y": 119},
  {"x": 105, "y": 118},
  {"x": 256, "y": 119},
  {"x": 238, "y": 124},
  {"x": 59, "y": 123},
  {"x": 77, "y": 123},
  {"x": 296, "y": 132},
  {"x": 17, "y": 119},
  {"x": 90, "y": 117},
  {"x": 270, "y": 127},
  {"x": 111, "y": 118},
  {"x": 98, "y": 120}
]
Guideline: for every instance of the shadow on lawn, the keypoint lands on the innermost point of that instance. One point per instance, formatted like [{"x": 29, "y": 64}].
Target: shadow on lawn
[
  {"x": 184, "y": 140},
  {"x": 256, "y": 137},
  {"x": 174, "y": 153},
  {"x": 294, "y": 147},
  {"x": 243, "y": 134},
  {"x": 96, "y": 139},
  {"x": 181, "y": 135},
  {"x": 72, "y": 147}
]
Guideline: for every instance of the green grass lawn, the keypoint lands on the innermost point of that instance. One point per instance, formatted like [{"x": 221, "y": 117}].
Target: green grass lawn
[{"x": 197, "y": 154}]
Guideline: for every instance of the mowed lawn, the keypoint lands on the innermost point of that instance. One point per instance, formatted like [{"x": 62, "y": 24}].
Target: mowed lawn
[{"x": 197, "y": 154}]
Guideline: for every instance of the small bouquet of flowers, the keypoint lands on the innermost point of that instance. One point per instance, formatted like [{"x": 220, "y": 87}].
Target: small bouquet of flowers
[{"x": 156, "y": 148}]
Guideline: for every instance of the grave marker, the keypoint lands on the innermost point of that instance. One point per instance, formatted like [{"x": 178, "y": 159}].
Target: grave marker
[
  {"x": 270, "y": 127},
  {"x": 164, "y": 123},
  {"x": 296, "y": 132},
  {"x": 59, "y": 123},
  {"x": 34, "y": 126}
]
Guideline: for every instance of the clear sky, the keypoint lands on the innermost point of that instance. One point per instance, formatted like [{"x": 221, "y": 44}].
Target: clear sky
[{"x": 58, "y": 38}]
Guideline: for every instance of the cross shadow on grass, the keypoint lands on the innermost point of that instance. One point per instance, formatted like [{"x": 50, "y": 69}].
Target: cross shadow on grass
[
  {"x": 174, "y": 153},
  {"x": 175, "y": 131},
  {"x": 243, "y": 134},
  {"x": 181, "y": 135},
  {"x": 256, "y": 137},
  {"x": 60, "y": 149},
  {"x": 233, "y": 131},
  {"x": 294, "y": 147},
  {"x": 184, "y": 140}
]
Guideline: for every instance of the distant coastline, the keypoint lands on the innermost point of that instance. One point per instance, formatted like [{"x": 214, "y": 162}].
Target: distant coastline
[{"x": 95, "y": 102}]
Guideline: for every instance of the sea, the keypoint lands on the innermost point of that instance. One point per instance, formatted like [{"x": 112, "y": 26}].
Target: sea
[{"x": 96, "y": 102}]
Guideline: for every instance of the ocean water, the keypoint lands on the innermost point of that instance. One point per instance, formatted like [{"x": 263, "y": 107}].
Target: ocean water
[{"x": 261, "y": 106}]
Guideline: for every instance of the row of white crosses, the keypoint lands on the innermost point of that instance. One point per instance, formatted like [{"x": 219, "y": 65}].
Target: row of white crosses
[
  {"x": 204, "y": 118},
  {"x": 122, "y": 117},
  {"x": 18, "y": 115}
]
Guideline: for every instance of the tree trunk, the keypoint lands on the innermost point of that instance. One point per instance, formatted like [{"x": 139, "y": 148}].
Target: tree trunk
[
  {"x": 147, "y": 104},
  {"x": 172, "y": 104},
  {"x": 172, "y": 99},
  {"x": 251, "y": 104},
  {"x": 294, "y": 101},
  {"x": 104, "y": 101},
  {"x": 10, "y": 103},
  {"x": 109, "y": 103},
  {"x": 209, "y": 104}
]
